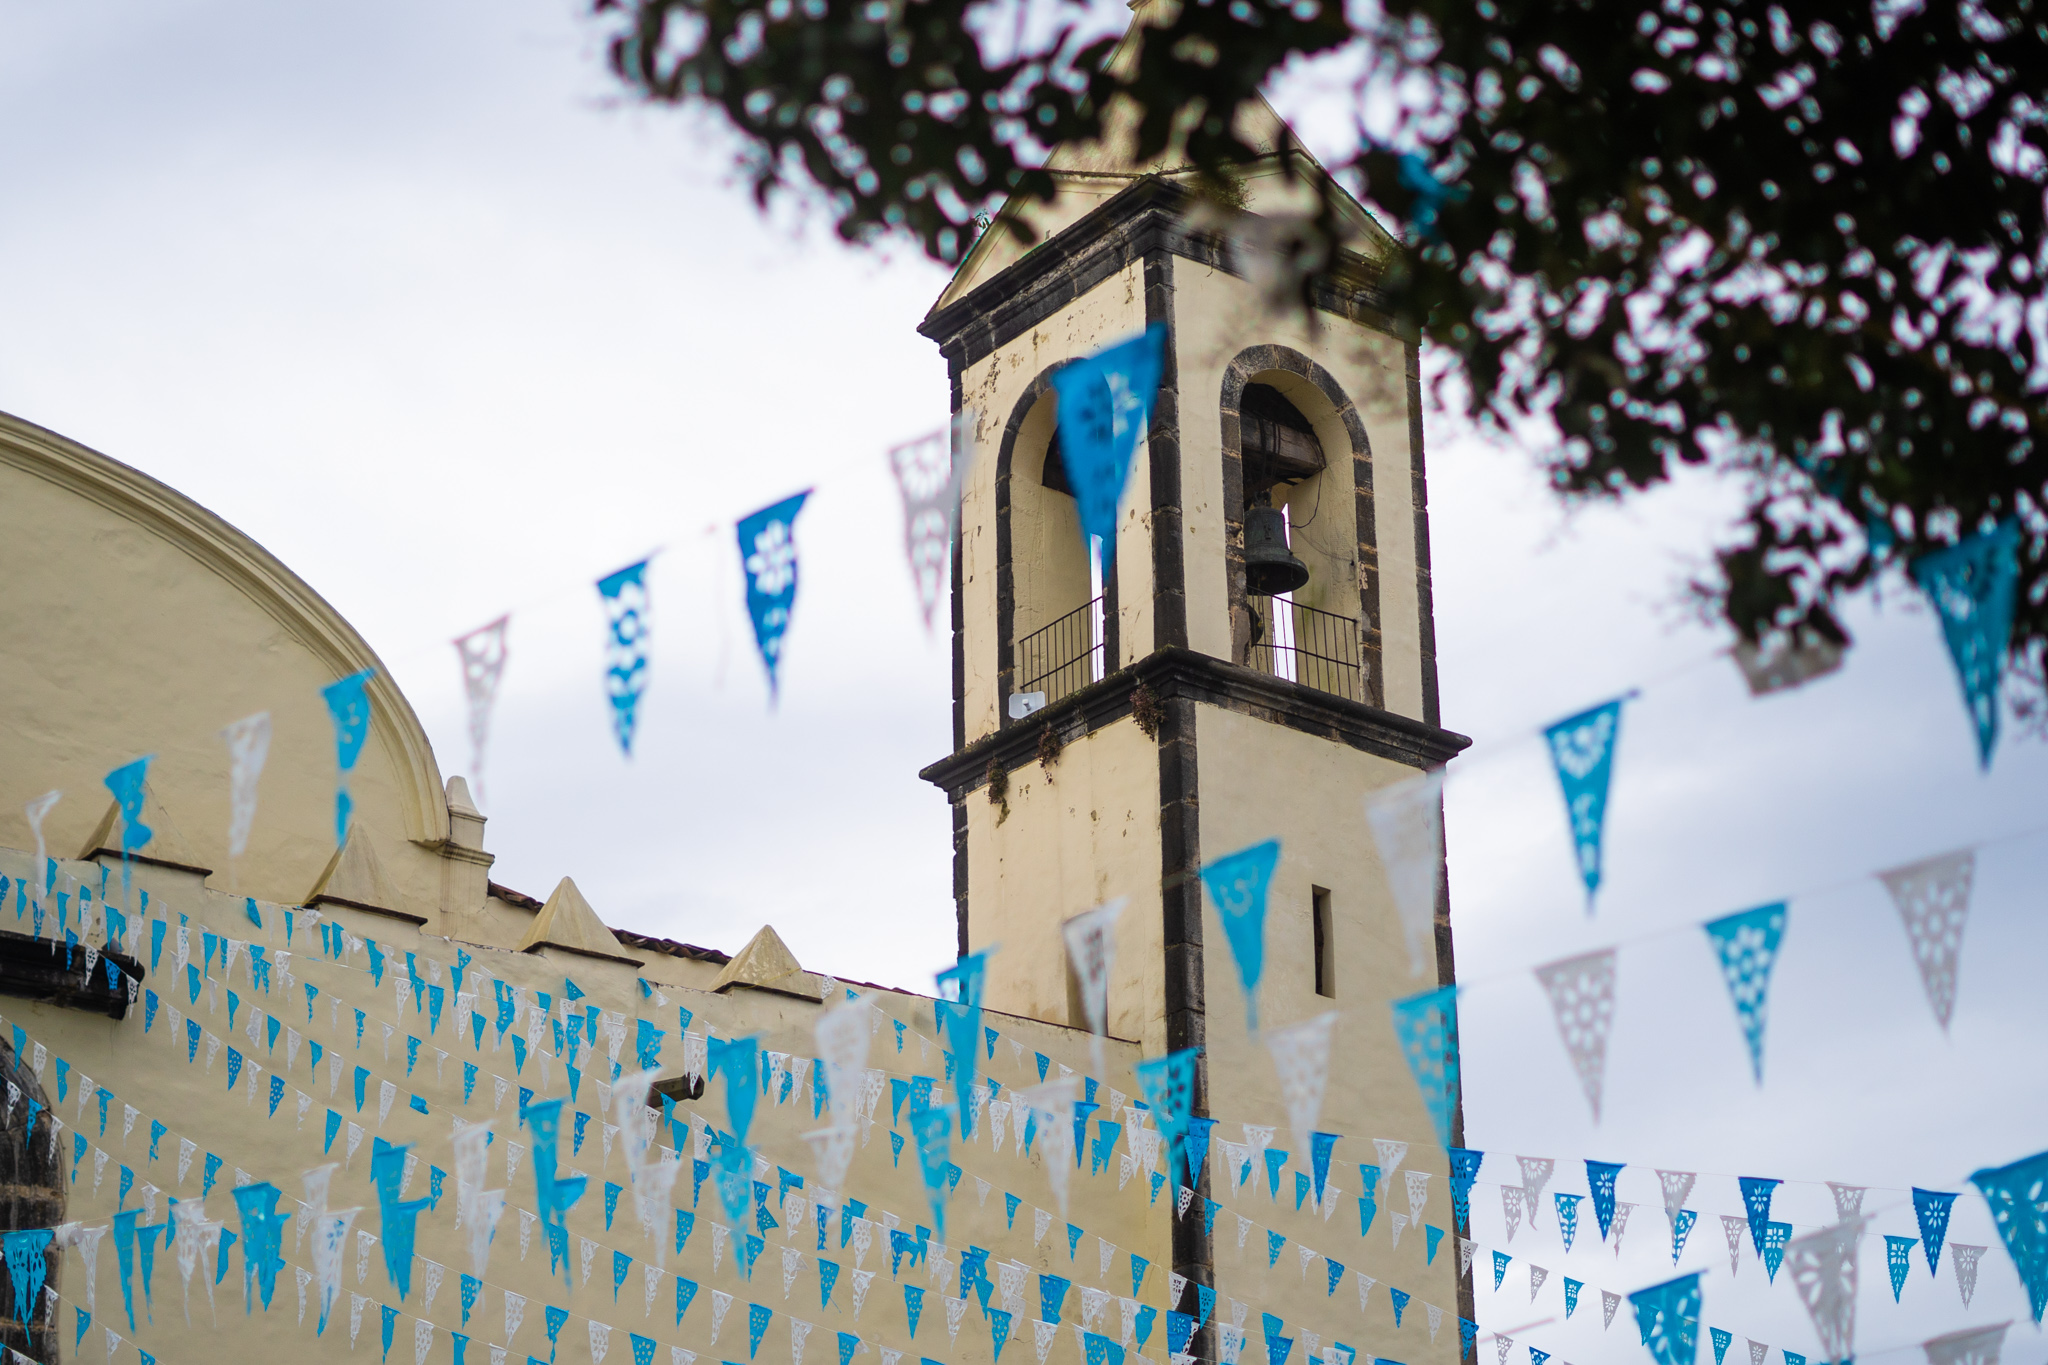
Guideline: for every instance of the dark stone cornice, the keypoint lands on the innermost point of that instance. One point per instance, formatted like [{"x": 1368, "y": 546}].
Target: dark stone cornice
[
  {"x": 44, "y": 969},
  {"x": 1149, "y": 215},
  {"x": 1184, "y": 674}
]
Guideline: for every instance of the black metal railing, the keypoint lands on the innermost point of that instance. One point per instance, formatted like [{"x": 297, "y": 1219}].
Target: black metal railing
[
  {"x": 1063, "y": 657},
  {"x": 1318, "y": 649}
]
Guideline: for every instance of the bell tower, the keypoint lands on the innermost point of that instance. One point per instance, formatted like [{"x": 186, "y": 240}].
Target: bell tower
[{"x": 1256, "y": 660}]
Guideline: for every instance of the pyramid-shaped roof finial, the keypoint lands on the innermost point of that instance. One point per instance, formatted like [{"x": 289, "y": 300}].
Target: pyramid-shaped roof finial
[
  {"x": 767, "y": 963},
  {"x": 355, "y": 877},
  {"x": 166, "y": 846},
  {"x": 568, "y": 922}
]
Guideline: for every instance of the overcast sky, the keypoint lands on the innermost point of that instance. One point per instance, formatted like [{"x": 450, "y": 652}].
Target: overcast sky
[{"x": 406, "y": 292}]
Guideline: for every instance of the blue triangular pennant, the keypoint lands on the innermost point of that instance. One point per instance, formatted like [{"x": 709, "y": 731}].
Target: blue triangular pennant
[
  {"x": 1668, "y": 1315},
  {"x": 1277, "y": 1346},
  {"x": 262, "y": 1237},
  {"x": 1168, "y": 1084},
  {"x": 1931, "y": 1207},
  {"x": 1971, "y": 585},
  {"x": 767, "y": 541},
  {"x": 1681, "y": 1228},
  {"x": 1465, "y": 1164},
  {"x": 1197, "y": 1144},
  {"x": 1427, "y": 1026},
  {"x": 624, "y": 595},
  {"x": 1100, "y": 1350},
  {"x": 913, "y": 1307},
  {"x": 1747, "y": 946},
  {"x": 933, "y": 1129},
  {"x": 1776, "y": 1235},
  {"x": 348, "y": 706},
  {"x": 1756, "y": 1198},
  {"x": 1103, "y": 403},
  {"x": 2018, "y": 1197},
  {"x": 1582, "y": 752},
  {"x": 28, "y": 1265},
  {"x": 1275, "y": 1159},
  {"x": 1237, "y": 883},
  {"x": 127, "y": 785},
  {"x": 1052, "y": 1296},
  {"x": 1600, "y": 1177},
  {"x": 1898, "y": 1257},
  {"x": 1320, "y": 1146},
  {"x": 1567, "y": 1217}
]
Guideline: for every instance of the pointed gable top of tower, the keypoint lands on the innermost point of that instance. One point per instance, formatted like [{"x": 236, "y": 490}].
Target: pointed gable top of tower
[
  {"x": 767, "y": 963},
  {"x": 1091, "y": 174}
]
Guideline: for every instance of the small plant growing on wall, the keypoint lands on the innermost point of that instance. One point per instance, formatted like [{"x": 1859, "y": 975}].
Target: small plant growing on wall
[
  {"x": 1146, "y": 710},
  {"x": 1048, "y": 750},
  {"x": 999, "y": 788}
]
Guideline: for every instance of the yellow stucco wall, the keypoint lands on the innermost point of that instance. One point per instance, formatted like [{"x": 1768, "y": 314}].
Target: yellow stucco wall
[
  {"x": 1261, "y": 781},
  {"x": 1091, "y": 833},
  {"x": 150, "y": 1071},
  {"x": 138, "y": 623},
  {"x": 1061, "y": 844},
  {"x": 212, "y": 628}
]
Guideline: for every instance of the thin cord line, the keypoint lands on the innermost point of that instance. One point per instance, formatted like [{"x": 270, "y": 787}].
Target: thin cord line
[
  {"x": 925, "y": 1040},
  {"x": 1868, "y": 1216},
  {"x": 1809, "y": 892}
]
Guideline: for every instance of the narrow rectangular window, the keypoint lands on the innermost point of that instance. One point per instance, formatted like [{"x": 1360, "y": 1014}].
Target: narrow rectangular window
[{"x": 1326, "y": 957}]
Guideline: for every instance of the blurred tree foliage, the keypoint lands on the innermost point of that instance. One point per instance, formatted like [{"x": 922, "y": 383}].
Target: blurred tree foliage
[{"x": 1799, "y": 242}]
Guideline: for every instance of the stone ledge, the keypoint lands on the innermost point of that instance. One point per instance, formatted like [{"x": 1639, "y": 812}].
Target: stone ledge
[
  {"x": 34, "y": 969},
  {"x": 1184, "y": 674}
]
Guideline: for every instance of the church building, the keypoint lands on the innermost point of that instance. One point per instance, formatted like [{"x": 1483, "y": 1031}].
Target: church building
[{"x": 234, "y": 1127}]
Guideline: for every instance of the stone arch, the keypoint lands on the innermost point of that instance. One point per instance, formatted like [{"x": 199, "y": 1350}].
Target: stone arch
[
  {"x": 31, "y": 1196},
  {"x": 1040, "y": 389},
  {"x": 205, "y": 626},
  {"x": 1315, "y": 387}
]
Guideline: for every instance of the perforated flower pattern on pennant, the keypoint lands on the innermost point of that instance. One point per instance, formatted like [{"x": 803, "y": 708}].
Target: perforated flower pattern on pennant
[
  {"x": 1579, "y": 749},
  {"x": 773, "y": 562}
]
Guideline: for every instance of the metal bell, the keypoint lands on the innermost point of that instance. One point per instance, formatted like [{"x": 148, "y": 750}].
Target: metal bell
[{"x": 1269, "y": 566}]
